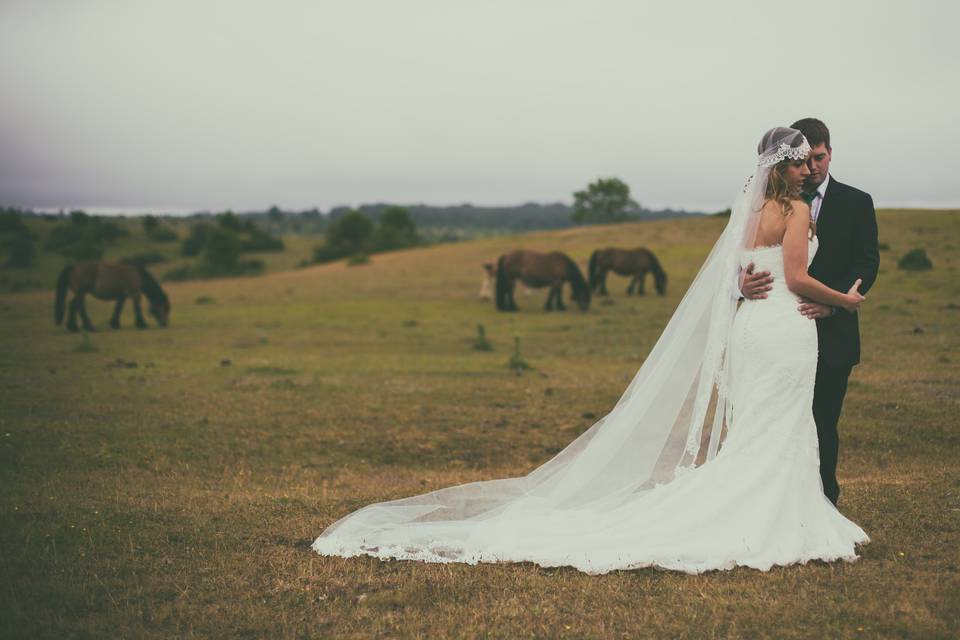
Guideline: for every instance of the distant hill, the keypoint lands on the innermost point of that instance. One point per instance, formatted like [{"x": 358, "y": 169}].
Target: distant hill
[
  {"x": 452, "y": 223},
  {"x": 524, "y": 217}
]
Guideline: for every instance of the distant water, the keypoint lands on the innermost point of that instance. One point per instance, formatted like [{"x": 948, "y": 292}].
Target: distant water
[{"x": 136, "y": 210}]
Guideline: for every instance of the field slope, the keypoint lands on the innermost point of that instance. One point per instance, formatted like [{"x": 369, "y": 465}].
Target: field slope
[{"x": 168, "y": 483}]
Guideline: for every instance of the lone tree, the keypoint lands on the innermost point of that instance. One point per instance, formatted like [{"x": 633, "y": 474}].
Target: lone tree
[
  {"x": 395, "y": 229},
  {"x": 606, "y": 200}
]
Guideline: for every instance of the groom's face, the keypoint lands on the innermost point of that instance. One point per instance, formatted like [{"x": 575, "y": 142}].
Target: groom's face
[{"x": 819, "y": 164}]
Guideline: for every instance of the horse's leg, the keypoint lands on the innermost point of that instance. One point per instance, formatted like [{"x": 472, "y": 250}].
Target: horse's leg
[
  {"x": 82, "y": 308},
  {"x": 72, "y": 319},
  {"x": 560, "y": 305},
  {"x": 551, "y": 293},
  {"x": 117, "y": 309},
  {"x": 138, "y": 313},
  {"x": 513, "y": 301},
  {"x": 632, "y": 286},
  {"x": 641, "y": 278}
]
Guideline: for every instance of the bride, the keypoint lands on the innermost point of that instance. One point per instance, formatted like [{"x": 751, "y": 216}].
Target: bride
[{"x": 708, "y": 460}]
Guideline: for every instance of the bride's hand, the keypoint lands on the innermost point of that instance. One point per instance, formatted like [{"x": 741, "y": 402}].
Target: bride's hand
[{"x": 854, "y": 297}]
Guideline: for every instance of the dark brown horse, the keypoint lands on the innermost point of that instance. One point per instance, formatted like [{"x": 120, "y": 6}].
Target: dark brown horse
[
  {"x": 109, "y": 281},
  {"x": 626, "y": 262},
  {"x": 540, "y": 270}
]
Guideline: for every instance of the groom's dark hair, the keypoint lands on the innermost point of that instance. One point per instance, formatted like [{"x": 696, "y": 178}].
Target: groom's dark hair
[{"x": 813, "y": 130}]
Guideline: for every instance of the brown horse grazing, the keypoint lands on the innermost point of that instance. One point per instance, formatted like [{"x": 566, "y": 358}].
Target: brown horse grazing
[
  {"x": 540, "y": 270},
  {"x": 626, "y": 262},
  {"x": 109, "y": 281}
]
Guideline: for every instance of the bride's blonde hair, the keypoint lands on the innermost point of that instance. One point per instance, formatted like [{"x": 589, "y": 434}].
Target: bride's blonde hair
[{"x": 783, "y": 193}]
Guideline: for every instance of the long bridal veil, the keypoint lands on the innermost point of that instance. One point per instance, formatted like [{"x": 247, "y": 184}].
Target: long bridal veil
[{"x": 669, "y": 420}]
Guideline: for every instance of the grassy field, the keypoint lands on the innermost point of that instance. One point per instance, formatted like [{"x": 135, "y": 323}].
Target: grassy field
[
  {"x": 168, "y": 483},
  {"x": 298, "y": 249}
]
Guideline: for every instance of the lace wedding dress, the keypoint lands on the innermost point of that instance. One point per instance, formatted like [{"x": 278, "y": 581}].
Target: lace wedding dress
[{"x": 708, "y": 461}]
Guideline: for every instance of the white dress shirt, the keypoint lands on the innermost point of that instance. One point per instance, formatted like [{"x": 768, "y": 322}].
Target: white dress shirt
[{"x": 817, "y": 201}]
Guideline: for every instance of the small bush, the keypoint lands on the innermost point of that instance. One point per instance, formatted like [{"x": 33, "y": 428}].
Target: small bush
[
  {"x": 221, "y": 252},
  {"x": 145, "y": 259},
  {"x": 259, "y": 241},
  {"x": 84, "y": 249},
  {"x": 162, "y": 234},
  {"x": 202, "y": 270},
  {"x": 480, "y": 343},
  {"x": 358, "y": 259},
  {"x": 11, "y": 222},
  {"x": 84, "y": 237},
  {"x": 180, "y": 273},
  {"x": 21, "y": 251},
  {"x": 915, "y": 260},
  {"x": 194, "y": 243},
  {"x": 516, "y": 362},
  {"x": 327, "y": 253}
]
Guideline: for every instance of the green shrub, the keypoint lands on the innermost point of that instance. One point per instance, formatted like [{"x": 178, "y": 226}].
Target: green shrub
[
  {"x": 358, "y": 259},
  {"x": 915, "y": 260},
  {"x": 480, "y": 343},
  {"x": 145, "y": 259},
  {"x": 21, "y": 251},
  {"x": 180, "y": 273},
  {"x": 221, "y": 251},
  {"x": 162, "y": 234},
  {"x": 516, "y": 362},
  {"x": 12, "y": 222},
  {"x": 326, "y": 253},
  {"x": 194, "y": 243},
  {"x": 202, "y": 270},
  {"x": 395, "y": 230},
  {"x": 84, "y": 237},
  {"x": 259, "y": 241},
  {"x": 150, "y": 223}
]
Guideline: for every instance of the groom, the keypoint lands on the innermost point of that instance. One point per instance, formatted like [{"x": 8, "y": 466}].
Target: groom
[{"x": 847, "y": 231}]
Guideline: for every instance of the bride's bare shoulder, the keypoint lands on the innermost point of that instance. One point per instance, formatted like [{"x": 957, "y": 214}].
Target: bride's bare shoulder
[{"x": 796, "y": 205}]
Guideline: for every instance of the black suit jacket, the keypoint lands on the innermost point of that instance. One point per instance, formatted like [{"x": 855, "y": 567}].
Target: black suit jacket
[{"x": 847, "y": 232}]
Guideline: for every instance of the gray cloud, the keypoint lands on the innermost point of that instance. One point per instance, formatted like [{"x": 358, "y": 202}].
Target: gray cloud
[{"x": 225, "y": 104}]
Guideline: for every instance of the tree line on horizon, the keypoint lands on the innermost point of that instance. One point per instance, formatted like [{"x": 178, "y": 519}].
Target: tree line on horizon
[{"x": 219, "y": 242}]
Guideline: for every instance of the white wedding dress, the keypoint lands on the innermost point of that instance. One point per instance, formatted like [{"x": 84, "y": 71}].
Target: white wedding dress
[
  {"x": 758, "y": 503},
  {"x": 640, "y": 488}
]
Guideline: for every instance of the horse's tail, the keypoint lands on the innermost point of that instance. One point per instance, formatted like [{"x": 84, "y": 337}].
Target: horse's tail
[
  {"x": 581, "y": 290},
  {"x": 592, "y": 269},
  {"x": 60, "y": 299},
  {"x": 503, "y": 283}
]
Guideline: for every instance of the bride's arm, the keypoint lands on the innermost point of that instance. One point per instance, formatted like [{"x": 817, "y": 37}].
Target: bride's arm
[{"x": 795, "y": 248}]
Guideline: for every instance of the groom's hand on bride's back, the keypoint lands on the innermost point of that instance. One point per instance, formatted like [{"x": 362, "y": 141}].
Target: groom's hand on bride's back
[{"x": 755, "y": 285}]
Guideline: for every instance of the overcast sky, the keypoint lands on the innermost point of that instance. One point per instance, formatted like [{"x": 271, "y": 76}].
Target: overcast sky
[{"x": 188, "y": 105}]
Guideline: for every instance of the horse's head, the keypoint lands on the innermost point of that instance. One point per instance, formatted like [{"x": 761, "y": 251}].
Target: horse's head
[
  {"x": 160, "y": 310},
  {"x": 581, "y": 297},
  {"x": 660, "y": 279}
]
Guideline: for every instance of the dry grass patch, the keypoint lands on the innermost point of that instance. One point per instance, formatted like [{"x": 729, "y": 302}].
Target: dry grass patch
[{"x": 179, "y": 499}]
